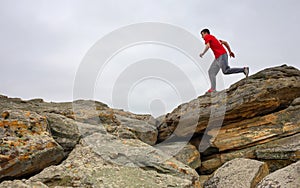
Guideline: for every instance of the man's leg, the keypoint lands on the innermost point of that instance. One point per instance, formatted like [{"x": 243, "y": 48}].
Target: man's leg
[
  {"x": 223, "y": 61},
  {"x": 212, "y": 72}
]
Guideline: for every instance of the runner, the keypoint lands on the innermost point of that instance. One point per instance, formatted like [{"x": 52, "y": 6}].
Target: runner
[{"x": 221, "y": 58}]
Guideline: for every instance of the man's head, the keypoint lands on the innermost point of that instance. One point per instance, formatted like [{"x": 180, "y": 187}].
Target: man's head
[{"x": 204, "y": 32}]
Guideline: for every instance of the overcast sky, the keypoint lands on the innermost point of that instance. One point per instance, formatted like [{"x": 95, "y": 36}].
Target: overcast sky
[{"x": 42, "y": 44}]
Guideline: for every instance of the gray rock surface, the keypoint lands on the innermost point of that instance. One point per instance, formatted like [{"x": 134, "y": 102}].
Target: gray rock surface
[
  {"x": 286, "y": 177},
  {"x": 135, "y": 128},
  {"x": 64, "y": 130},
  {"x": 86, "y": 168},
  {"x": 135, "y": 153},
  {"x": 22, "y": 184},
  {"x": 183, "y": 152},
  {"x": 238, "y": 173}
]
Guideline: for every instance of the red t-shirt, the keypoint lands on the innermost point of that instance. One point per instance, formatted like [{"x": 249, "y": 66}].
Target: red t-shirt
[{"x": 215, "y": 45}]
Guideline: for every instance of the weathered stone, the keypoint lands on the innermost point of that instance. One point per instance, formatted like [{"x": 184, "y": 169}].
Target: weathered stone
[
  {"x": 277, "y": 164},
  {"x": 280, "y": 153},
  {"x": 134, "y": 128},
  {"x": 203, "y": 179},
  {"x": 86, "y": 168},
  {"x": 135, "y": 153},
  {"x": 88, "y": 129},
  {"x": 286, "y": 177},
  {"x": 238, "y": 173},
  {"x": 187, "y": 153},
  {"x": 287, "y": 147},
  {"x": 118, "y": 122},
  {"x": 22, "y": 184},
  {"x": 26, "y": 145},
  {"x": 211, "y": 164},
  {"x": 64, "y": 130},
  {"x": 257, "y": 130}
]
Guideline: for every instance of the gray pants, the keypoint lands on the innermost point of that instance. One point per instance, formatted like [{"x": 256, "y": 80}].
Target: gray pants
[{"x": 221, "y": 63}]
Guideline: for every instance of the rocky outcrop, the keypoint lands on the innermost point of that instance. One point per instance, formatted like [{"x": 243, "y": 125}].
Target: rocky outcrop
[
  {"x": 238, "y": 173},
  {"x": 26, "y": 144},
  {"x": 266, "y": 92},
  {"x": 247, "y": 130},
  {"x": 286, "y": 177},
  {"x": 102, "y": 146},
  {"x": 245, "y": 120}
]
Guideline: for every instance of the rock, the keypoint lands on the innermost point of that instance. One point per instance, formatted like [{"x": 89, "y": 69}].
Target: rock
[
  {"x": 238, "y": 173},
  {"x": 134, "y": 128},
  {"x": 268, "y": 91},
  {"x": 64, "y": 130},
  {"x": 86, "y": 168},
  {"x": 88, "y": 129},
  {"x": 3, "y": 97},
  {"x": 38, "y": 100},
  {"x": 274, "y": 165},
  {"x": 286, "y": 177},
  {"x": 203, "y": 179},
  {"x": 120, "y": 123},
  {"x": 287, "y": 155},
  {"x": 26, "y": 145},
  {"x": 5, "y": 115},
  {"x": 257, "y": 130},
  {"x": 135, "y": 153},
  {"x": 187, "y": 153},
  {"x": 273, "y": 151},
  {"x": 291, "y": 151},
  {"x": 22, "y": 184},
  {"x": 211, "y": 164}
]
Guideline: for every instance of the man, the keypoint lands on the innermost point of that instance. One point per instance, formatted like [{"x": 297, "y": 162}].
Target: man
[{"x": 221, "y": 58}]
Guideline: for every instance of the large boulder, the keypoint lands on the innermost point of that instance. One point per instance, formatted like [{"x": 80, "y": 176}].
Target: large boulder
[
  {"x": 238, "y": 173},
  {"x": 26, "y": 144},
  {"x": 286, "y": 177},
  {"x": 103, "y": 160},
  {"x": 135, "y": 153}
]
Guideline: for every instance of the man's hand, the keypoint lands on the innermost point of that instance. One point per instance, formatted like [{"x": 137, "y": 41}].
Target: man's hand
[
  {"x": 207, "y": 46},
  {"x": 231, "y": 54}
]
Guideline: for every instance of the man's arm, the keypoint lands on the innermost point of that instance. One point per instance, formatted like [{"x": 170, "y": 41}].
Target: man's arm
[
  {"x": 231, "y": 54},
  {"x": 207, "y": 46}
]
